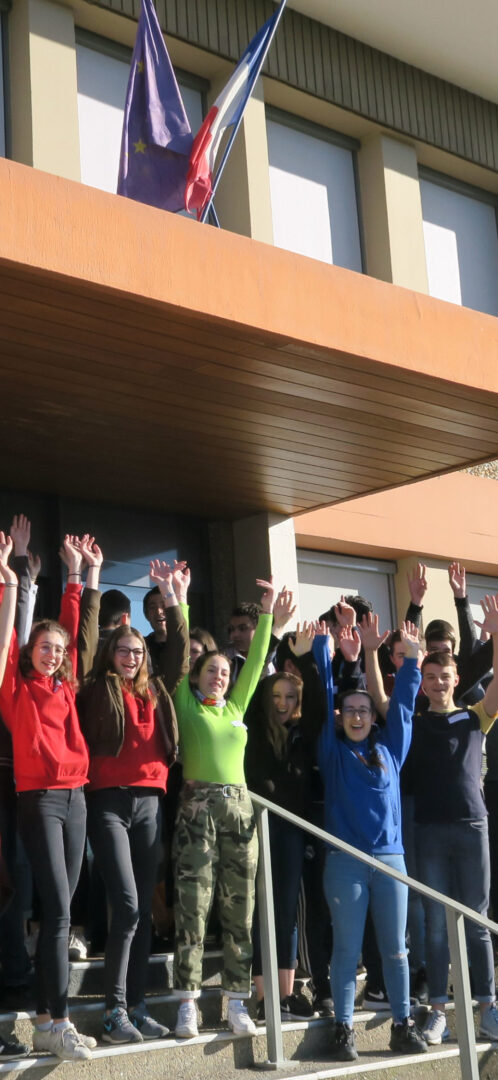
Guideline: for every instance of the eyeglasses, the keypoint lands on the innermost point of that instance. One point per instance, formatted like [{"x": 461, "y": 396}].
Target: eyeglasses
[
  {"x": 123, "y": 652},
  {"x": 46, "y": 649},
  {"x": 350, "y": 711}
]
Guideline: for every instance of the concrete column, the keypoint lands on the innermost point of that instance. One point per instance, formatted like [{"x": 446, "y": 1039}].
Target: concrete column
[
  {"x": 243, "y": 198},
  {"x": 43, "y": 87},
  {"x": 392, "y": 212},
  {"x": 438, "y": 602},
  {"x": 265, "y": 544}
]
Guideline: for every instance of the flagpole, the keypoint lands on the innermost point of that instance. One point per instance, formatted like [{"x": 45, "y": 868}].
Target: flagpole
[{"x": 251, "y": 85}]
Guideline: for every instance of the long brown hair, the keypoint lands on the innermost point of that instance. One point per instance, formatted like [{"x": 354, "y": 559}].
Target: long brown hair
[
  {"x": 105, "y": 663},
  {"x": 275, "y": 729},
  {"x": 47, "y": 626}
]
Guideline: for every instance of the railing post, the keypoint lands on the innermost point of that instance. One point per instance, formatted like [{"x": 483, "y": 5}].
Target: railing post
[
  {"x": 276, "y": 1058},
  {"x": 463, "y": 999}
]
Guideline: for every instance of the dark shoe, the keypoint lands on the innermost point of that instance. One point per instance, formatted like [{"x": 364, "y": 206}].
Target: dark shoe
[
  {"x": 12, "y": 1049},
  {"x": 343, "y": 1047},
  {"x": 260, "y": 1012},
  {"x": 324, "y": 1006},
  {"x": 377, "y": 1000},
  {"x": 419, "y": 988},
  {"x": 296, "y": 1007},
  {"x": 407, "y": 1039}
]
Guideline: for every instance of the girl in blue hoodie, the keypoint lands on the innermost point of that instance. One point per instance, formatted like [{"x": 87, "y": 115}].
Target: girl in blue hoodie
[{"x": 360, "y": 766}]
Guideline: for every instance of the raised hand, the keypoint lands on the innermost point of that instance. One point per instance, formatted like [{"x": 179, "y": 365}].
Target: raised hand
[
  {"x": 181, "y": 580},
  {"x": 456, "y": 574},
  {"x": 371, "y": 637},
  {"x": 268, "y": 597},
  {"x": 7, "y": 575},
  {"x": 417, "y": 584},
  {"x": 490, "y": 611},
  {"x": 70, "y": 553},
  {"x": 90, "y": 551},
  {"x": 34, "y": 563},
  {"x": 161, "y": 574},
  {"x": 20, "y": 531},
  {"x": 349, "y": 643},
  {"x": 304, "y": 639},
  {"x": 344, "y": 613},
  {"x": 283, "y": 610}
]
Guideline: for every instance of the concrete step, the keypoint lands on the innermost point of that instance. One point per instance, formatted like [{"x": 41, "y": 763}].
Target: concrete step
[
  {"x": 221, "y": 1054},
  {"x": 87, "y": 976}
]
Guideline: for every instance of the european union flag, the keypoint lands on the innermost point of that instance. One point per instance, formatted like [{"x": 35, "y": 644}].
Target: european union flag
[{"x": 157, "y": 139}]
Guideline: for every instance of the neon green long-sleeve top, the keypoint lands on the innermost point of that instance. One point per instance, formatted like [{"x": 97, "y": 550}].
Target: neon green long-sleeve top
[{"x": 213, "y": 739}]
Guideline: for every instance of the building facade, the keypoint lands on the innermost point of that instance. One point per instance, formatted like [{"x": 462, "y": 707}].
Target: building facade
[{"x": 182, "y": 391}]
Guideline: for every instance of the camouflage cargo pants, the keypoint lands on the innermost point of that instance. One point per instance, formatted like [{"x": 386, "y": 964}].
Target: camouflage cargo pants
[{"x": 215, "y": 847}]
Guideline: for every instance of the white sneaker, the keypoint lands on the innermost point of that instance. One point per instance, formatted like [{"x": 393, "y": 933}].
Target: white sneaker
[
  {"x": 239, "y": 1020},
  {"x": 186, "y": 1024},
  {"x": 78, "y": 947},
  {"x": 435, "y": 1030},
  {"x": 66, "y": 1044},
  {"x": 489, "y": 1022}
]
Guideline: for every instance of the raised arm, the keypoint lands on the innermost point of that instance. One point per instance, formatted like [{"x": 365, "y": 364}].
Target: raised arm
[
  {"x": 70, "y": 604},
  {"x": 173, "y": 583},
  {"x": 398, "y": 730},
  {"x": 372, "y": 640},
  {"x": 249, "y": 676},
  {"x": 88, "y": 632},
  {"x": 490, "y": 625},
  {"x": 20, "y": 532},
  {"x": 314, "y": 711},
  {"x": 466, "y": 627},
  {"x": 417, "y": 585},
  {"x": 8, "y": 581}
]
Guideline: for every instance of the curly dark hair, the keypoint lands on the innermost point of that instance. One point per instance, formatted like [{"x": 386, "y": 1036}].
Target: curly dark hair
[{"x": 47, "y": 626}]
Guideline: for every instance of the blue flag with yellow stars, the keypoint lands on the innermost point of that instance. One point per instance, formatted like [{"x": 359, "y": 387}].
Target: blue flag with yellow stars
[{"x": 157, "y": 139}]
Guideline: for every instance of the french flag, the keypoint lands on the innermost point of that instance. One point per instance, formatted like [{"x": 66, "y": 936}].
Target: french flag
[{"x": 225, "y": 113}]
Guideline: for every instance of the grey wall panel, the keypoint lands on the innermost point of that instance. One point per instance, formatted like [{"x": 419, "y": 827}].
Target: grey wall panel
[{"x": 326, "y": 63}]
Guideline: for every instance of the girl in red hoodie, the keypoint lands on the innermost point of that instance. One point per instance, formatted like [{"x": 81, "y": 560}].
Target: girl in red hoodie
[{"x": 37, "y": 702}]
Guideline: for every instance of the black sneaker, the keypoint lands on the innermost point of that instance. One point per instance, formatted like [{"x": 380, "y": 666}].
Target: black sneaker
[
  {"x": 419, "y": 988},
  {"x": 12, "y": 1049},
  {"x": 296, "y": 1007},
  {"x": 260, "y": 1012},
  {"x": 377, "y": 1000},
  {"x": 343, "y": 1046},
  {"x": 324, "y": 1006},
  {"x": 407, "y": 1039}
]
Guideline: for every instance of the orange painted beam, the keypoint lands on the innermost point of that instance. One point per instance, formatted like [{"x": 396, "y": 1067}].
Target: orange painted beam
[
  {"x": 453, "y": 516},
  {"x": 66, "y": 228}
]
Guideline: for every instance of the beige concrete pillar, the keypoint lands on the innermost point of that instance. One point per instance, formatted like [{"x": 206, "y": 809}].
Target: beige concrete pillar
[
  {"x": 43, "y": 87},
  {"x": 265, "y": 544},
  {"x": 243, "y": 198},
  {"x": 438, "y": 602},
  {"x": 392, "y": 212}
]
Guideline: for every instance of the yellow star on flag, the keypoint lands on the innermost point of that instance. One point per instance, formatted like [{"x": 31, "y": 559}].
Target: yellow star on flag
[
  {"x": 140, "y": 66},
  {"x": 140, "y": 147}
]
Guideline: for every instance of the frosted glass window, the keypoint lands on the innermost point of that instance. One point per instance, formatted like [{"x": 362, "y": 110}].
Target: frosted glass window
[
  {"x": 102, "y": 83},
  {"x": 2, "y": 106},
  {"x": 461, "y": 247},
  {"x": 313, "y": 197}
]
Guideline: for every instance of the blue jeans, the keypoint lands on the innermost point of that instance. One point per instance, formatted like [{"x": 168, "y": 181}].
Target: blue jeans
[
  {"x": 454, "y": 859},
  {"x": 350, "y": 886},
  {"x": 416, "y": 914}
]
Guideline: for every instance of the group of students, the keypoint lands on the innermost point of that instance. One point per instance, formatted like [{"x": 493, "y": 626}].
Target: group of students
[{"x": 97, "y": 718}]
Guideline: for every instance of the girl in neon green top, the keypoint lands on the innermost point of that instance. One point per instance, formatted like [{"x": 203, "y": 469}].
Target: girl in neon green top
[{"x": 215, "y": 843}]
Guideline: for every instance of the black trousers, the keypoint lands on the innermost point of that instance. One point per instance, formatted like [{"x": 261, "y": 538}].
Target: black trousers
[
  {"x": 124, "y": 831},
  {"x": 52, "y": 826}
]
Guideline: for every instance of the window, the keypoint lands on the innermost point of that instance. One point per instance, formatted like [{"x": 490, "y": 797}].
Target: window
[
  {"x": 313, "y": 191},
  {"x": 461, "y": 242},
  {"x": 103, "y": 70},
  {"x": 324, "y": 578}
]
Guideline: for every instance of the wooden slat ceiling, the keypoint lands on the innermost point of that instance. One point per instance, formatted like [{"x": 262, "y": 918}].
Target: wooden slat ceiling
[{"x": 127, "y": 400}]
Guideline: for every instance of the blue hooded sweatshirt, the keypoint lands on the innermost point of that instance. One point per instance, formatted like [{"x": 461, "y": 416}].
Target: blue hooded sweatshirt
[{"x": 362, "y": 804}]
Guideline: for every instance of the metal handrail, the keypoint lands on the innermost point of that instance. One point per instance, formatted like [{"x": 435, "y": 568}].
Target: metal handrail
[{"x": 455, "y": 915}]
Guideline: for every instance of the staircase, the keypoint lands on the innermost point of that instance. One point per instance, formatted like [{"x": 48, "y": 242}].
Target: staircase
[{"x": 217, "y": 1052}]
